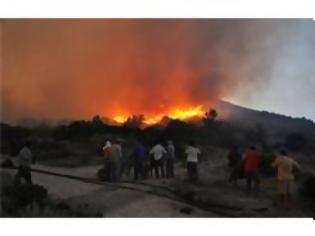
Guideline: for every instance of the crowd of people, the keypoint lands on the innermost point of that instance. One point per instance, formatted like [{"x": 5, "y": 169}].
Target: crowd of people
[
  {"x": 160, "y": 160},
  {"x": 248, "y": 165}
]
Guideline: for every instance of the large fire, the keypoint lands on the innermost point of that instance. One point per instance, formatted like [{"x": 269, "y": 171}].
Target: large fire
[
  {"x": 176, "y": 113},
  {"x": 115, "y": 69}
]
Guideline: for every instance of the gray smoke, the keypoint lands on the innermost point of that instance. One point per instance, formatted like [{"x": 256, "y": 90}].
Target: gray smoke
[{"x": 55, "y": 69}]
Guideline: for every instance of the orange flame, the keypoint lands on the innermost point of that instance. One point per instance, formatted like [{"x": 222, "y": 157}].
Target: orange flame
[
  {"x": 120, "y": 119},
  {"x": 177, "y": 113}
]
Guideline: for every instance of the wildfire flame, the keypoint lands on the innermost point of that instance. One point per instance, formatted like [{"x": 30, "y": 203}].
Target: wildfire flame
[{"x": 177, "y": 113}]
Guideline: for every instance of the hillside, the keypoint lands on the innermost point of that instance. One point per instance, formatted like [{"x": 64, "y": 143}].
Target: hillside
[
  {"x": 250, "y": 118},
  {"x": 75, "y": 149}
]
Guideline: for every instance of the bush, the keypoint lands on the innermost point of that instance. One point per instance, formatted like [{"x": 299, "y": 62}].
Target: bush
[
  {"x": 24, "y": 200},
  {"x": 266, "y": 164},
  {"x": 12, "y": 138},
  {"x": 307, "y": 189},
  {"x": 179, "y": 130},
  {"x": 17, "y": 197},
  {"x": 7, "y": 164},
  {"x": 295, "y": 141},
  {"x": 50, "y": 150}
]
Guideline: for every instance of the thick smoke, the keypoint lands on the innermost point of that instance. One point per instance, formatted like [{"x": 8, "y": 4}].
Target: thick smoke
[{"x": 56, "y": 69}]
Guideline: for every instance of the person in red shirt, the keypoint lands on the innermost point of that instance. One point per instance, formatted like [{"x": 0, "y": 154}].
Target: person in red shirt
[{"x": 251, "y": 167}]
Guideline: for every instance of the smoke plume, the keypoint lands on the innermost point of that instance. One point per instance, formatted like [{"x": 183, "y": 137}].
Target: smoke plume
[{"x": 74, "y": 69}]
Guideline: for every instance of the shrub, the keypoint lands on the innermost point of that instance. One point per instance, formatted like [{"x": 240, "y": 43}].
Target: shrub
[
  {"x": 307, "y": 189},
  {"x": 266, "y": 164},
  {"x": 7, "y": 163},
  {"x": 17, "y": 197},
  {"x": 295, "y": 141}
]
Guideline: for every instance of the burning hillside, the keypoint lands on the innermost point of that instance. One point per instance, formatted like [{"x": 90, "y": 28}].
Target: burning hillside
[{"x": 177, "y": 113}]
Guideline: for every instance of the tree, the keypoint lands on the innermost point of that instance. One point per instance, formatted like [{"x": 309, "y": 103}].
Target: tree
[
  {"x": 43, "y": 130},
  {"x": 60, "y": 132},
  {"x": 97, "y": 121},
  {"x": 134, "y": 121},
  {"x": 210, "y": 117},
  {"x": 79, "y": 130},
  {"x": 212, "y": 114},
  {"x": 97, "y": 124}
]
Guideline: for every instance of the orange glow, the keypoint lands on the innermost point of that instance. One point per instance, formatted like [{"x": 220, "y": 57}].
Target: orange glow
[
  {"x": 184, "y": 114},
  {"x": 120, "y": 119},
  {"x": 113, "y": 69},
  {"x": 177, "y": 113}
]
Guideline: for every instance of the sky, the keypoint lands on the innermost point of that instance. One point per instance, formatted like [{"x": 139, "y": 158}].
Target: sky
[{"x": 76, "y": 68}]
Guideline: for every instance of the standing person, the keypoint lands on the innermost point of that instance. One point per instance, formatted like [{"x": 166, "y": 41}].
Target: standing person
[
  {"x": 285, "y": 166},
  {"x": 139, "y": 159},
  {"x": 107, "y": 164},
  {"x": 192, "y": 153},
  {"x": 234, "y": 158},
  {"x": 151, "y": 161},
  {"x": 170, "y": 160},
  {"x": 121, "y": 157},
  {"x": 148, "y": 163},
  {"x": 158, "y": 151},
  {"x": 25, "y": 158},
  {"x": 252, "y": 162},
  {"x": 115, "y": 160},
  {"x": 129, "y": 163}
]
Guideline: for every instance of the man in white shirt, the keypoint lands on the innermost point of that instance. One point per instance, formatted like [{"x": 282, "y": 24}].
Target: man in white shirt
[
  {"x": 192, "y": 153},
  {"x": 25, "y": 160},
  {"x": 158, "y": 151},
  {"x": 107, "y": 163},
  {"x": 115, "y": 159}
]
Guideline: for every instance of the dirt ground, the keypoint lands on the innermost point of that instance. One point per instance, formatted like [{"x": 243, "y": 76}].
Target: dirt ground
[{"x": 112, "y": 201}]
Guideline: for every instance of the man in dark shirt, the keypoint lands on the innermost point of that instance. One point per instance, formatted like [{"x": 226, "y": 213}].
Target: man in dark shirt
[{"x": 139, "y": 159}]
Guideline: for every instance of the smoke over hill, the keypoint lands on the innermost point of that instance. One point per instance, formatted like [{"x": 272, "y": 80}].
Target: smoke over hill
[{"x": 65, "y": 69}]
